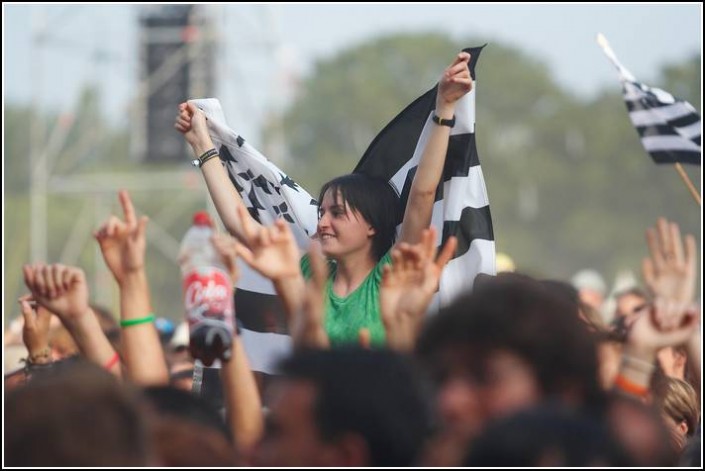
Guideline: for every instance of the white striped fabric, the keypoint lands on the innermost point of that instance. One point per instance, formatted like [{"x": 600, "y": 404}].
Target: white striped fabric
[
  {"x": 462, "y": 207},
  {"x": 670, "y": 128}
]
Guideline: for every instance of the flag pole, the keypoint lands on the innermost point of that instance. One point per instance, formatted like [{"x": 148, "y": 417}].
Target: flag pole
[{"x": 688, "y": 183}]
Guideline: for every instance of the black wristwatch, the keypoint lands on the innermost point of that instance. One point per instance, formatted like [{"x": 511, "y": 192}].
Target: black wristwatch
[
  {"x": 205, "y": 157},
  {"x": 443, "y": 122}
]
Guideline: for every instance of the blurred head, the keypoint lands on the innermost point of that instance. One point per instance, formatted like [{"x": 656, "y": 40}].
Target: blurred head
[
  {"x": 78, "y": 416},
  {"x": 504, "y": 347},
  {"x": 171, "y": 402},
  {"x": 569, "y": 293},
  {"x": 357, "y": 212},
  {"x": 547, "y": 436},
  {"x": 344, "y": 408},
  {"x": 181, "y": 443},
  {"x": 631, "y": 303},
  {"x": 640, "y": 432},
  {"x": 679, "y": 406}
]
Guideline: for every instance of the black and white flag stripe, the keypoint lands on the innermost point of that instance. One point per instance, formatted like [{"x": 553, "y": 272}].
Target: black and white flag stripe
[
  {"x": 461, "y": 207},
  {"x": 670, "y": 129},
  {"x": 269, "y": 194}
]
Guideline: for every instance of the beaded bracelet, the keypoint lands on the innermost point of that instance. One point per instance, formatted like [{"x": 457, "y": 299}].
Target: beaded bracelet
[{"x": 43, "y": 353}]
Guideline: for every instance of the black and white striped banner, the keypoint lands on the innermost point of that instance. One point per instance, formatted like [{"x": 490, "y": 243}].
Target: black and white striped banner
[
  {"x": 670, "y": 129},
  {"x": 461, "y": 208}
]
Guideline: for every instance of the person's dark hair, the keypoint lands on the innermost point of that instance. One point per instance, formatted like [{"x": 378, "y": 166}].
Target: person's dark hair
[
  {"x": 375, "y": 394},
  {"x": 548, "y": 435},
  {"x": 375, "y": 200},
  {"x": 565, "y": 290},
  {"x": 516, "y": 313},
  {"x": 76, "y": 416},
  {"x": 183, "y": 443},
  {"x": 172, "y": 402}
]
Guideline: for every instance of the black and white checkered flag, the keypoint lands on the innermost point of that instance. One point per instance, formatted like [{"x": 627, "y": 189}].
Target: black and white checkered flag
[
  {"x": 461, "y": 208},
  {"x": 669, "y": 128}
]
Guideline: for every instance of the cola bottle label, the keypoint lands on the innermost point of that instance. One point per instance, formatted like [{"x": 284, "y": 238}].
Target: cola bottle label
[{"x": 208, "y": 296}]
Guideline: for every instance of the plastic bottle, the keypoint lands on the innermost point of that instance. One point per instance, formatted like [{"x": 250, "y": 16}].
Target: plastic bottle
[{"x": 208, "y": 294}]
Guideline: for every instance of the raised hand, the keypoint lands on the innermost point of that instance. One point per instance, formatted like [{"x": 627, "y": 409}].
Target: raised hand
[
  {"x": 308, "y": 329},
  {"x": 408, "y": 286},
  {"x": 191, "y": 122},
  {"x": 645, "y": 337},
  {"x": 60, "y": 289},
  {"x": 670, "y": 271},
  {"x": 226, "y": 247},
  {"x": 123, "y": 243},
  {"x": 35, "y": 331},
  {"x": 455, "y": 81},
  {"x": 272, "y": 251}
]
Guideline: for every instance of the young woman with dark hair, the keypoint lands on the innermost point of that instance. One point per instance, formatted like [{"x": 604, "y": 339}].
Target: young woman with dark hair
[{"x": 358, "y": 214}]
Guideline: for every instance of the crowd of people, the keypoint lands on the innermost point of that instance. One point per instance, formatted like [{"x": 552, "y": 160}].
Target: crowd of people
[{"x": 518, "y": 371}]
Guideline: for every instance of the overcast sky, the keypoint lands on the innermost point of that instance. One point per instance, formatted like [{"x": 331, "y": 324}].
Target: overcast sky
[{"x": 261, "y": 39}]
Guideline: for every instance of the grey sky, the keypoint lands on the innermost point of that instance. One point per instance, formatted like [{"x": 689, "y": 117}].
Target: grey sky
[{"x": 260, "y": 39}]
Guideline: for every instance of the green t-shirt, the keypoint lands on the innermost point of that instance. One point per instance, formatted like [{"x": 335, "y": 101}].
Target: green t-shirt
[{"x": 360, "y": 309}]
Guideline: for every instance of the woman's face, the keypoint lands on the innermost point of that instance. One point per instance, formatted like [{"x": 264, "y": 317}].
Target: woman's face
[{"x": 342, "y": 231}]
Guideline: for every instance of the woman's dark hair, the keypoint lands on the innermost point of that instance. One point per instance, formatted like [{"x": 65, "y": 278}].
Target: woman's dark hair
[{"x": 375, "y": 200}]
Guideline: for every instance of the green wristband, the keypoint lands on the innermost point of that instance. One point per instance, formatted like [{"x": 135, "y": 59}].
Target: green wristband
[{"x": 141, "y": 320}]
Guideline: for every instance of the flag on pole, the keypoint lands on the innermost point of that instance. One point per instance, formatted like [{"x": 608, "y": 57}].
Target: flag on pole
[
  {"x": 461, "y": 207},
  {"x": 669, "y": 128}
]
